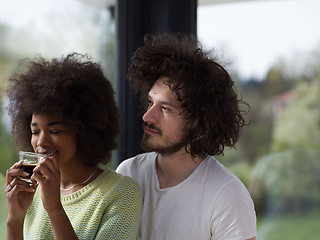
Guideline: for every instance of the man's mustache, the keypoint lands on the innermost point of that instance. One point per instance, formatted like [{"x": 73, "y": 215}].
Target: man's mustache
[{"x": 151, "y": 127}]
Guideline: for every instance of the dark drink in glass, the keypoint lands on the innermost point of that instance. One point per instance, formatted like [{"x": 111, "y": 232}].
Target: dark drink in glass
[
  {"x": 28, "y": 168},
  {"x": 29, "y": 162}
]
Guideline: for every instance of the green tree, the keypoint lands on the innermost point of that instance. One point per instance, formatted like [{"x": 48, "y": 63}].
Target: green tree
[
  {"x": 287, "y": 180},
  {"x": 277, "y": 79},
  {"x": 299, "y": 124}
]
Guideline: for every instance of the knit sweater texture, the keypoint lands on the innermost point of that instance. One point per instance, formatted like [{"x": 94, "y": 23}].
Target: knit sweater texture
[{"x": 107, "y": 208}]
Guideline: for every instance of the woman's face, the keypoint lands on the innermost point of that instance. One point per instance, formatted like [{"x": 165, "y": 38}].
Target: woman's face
[{"x": 51, "y": 136}]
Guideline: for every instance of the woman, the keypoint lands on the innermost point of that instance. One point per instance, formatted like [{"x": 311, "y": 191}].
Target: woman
[{"x": 65, "y": 109}]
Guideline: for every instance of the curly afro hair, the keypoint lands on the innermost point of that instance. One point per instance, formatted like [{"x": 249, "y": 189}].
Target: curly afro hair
[
  {"x": 203, "y": 87},
  {"x": 75, "y": 88}
]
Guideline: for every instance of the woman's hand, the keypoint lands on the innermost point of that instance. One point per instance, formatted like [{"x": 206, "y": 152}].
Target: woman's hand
[
  {"x": 19, "y": 193},
  {"x": 47, "y": 174}
]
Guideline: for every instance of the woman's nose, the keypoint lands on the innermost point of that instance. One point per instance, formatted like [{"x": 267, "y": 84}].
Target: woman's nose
[{"x": 43, "y": 140}]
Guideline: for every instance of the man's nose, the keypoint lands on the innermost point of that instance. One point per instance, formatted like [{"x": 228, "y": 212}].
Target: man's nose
[{"x": 150, "y": 115}]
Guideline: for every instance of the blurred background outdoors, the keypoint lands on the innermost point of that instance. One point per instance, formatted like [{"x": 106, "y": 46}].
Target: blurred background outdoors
[{"x": 272, "y": 50}]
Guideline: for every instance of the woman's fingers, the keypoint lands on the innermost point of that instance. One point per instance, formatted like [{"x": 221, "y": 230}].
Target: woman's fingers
[
  {"x": 55, "y": 162},
  {"x": 16, "y": 165},
  {"x": 46, "y": 169},
  {"x": 14, "y": 172},
  {"x": 38, "y": 177},
  {"x": 8, "y": 187},
  {"x": 17, "y": 185}
]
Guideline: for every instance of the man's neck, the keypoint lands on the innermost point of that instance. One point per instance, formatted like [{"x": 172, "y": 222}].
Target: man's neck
[{"x": 173, "y": 169}]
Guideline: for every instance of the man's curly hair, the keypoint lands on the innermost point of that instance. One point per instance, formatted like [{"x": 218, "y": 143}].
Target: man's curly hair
[
  {"x": 74, "y": 88},
  {"x": 204, "y": 88}
]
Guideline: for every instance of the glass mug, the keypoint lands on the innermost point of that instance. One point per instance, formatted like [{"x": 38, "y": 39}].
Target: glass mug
[{"x": 29, "y": 162}]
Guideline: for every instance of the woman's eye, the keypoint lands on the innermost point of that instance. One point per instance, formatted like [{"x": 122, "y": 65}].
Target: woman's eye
[
  {"x": 34, "y": 132},
  {"x": 55, "y": 131}
]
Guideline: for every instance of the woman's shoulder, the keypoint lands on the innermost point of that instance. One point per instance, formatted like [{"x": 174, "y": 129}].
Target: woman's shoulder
[{"x": 118, "y": 182}]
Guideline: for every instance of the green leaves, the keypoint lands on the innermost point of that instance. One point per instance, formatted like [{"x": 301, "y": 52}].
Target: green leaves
[
  {"x": 299, "y": 124},
  {"x": 289, "y": 180}
]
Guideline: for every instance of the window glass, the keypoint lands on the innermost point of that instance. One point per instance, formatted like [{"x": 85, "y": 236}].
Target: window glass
[
  {"x": 272, "y": 50},
  {"x": 51, "y": 28}
]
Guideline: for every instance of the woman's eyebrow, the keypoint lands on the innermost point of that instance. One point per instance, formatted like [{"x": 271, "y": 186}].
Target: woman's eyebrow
[
  {"x": 54, "y": 123},
  {"x": 34, "y": 124}
]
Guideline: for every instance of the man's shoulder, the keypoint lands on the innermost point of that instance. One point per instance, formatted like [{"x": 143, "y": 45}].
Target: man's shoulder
[
  {"x": 215, "y": 172},
  {"x": 136, "y": 163}
]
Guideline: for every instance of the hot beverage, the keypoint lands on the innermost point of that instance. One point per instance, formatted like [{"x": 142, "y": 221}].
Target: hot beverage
[
  {"x": 29, "y": 162},
  {"x": 27, "y": 167}
]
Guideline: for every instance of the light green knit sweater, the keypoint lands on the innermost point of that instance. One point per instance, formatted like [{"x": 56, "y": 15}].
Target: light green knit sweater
[{"x": 107, "y": 208}]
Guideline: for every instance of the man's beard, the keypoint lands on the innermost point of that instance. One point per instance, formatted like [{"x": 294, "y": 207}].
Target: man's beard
[{"x": 168, "y": 147}]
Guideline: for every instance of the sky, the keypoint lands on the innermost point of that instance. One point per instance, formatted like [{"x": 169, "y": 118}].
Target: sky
[
  {"x": 256, "y": 34},
  {"x": 19, "y": 13},
  {"x": 54, "y": 27},
  {"x": 252, "y": 35}
]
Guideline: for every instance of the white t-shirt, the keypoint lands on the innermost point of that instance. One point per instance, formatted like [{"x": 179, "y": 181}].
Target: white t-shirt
[{"x": 211, "y": 203}]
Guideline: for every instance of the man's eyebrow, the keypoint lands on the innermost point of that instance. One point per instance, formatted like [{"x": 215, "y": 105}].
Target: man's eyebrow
[
  {"x": 165, "y": 103},
  {"x": 33, "y": 124},
  {"x": 168, "y": 103}
]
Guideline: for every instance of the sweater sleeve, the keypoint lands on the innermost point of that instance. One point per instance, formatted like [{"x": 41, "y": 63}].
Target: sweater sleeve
[{"x": 122, "y": 217}]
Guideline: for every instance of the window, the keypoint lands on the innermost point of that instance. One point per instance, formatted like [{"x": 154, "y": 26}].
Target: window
[
  {"x": 51, "y": 28},
  {"x": 272, "y": 50}
]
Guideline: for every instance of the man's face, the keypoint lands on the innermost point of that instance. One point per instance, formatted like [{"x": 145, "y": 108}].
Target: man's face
[{"x": 164, "y": 127}]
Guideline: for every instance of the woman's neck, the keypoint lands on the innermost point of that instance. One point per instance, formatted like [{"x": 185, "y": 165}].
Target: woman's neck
[{"x": 77, "y": 176}]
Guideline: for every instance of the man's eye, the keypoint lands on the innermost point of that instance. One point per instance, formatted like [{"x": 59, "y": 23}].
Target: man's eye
[
  {"x": 149, "y": 104},
  {"x": 165, "y": 108},
  {"x": 34, "y": 132}
]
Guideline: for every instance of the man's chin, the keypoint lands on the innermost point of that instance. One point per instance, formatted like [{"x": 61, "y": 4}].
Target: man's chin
[{"x": 147, "y": 146}]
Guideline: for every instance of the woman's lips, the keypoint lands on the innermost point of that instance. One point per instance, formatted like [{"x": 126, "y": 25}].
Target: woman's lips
[{"x": 46, "y": 154}]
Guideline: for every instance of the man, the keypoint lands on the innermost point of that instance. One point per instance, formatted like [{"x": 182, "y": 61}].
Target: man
[{"x": 191, "y": 114}]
